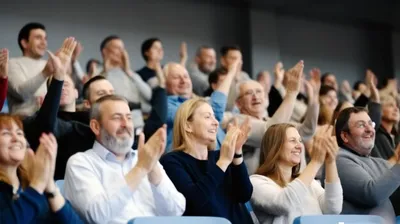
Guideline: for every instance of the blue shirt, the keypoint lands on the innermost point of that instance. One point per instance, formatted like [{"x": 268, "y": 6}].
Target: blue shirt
[
  {"x": 29, "y": 206},
  {"x": 218, "y": 103}
]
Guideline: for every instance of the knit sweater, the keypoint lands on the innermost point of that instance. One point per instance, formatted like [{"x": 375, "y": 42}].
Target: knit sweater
[
  {"x": 26, "y": 83},
  {"x": 367, "y": 184},
  {"x": 276, "y": 205}
]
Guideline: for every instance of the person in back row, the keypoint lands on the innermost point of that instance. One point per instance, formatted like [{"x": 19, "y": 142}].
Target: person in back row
[{"x": 111, "y": 183}]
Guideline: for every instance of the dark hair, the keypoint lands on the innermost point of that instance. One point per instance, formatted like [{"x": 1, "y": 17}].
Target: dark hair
[
  {"x": 213, "y": 78},
  {"x": 26, "y": 31},
  {"x": 357, "y": 85},
  {"x": 146, "y": 45},
  {"x": 198, "y": 52},
  {"x": 86, "y": 86},
  {"x": 106, "y": 40},
  {"x": 325, "y": 90},
  {"x": 342, "y": 122},
  {"x": 324, "y": 76},
  {"x": 89, "y": 63},
  {"x": 225, "y": 49}
]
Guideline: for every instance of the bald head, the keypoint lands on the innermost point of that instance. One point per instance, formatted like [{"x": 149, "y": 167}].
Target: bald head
[
  {"x": 251, "y": 99},
  {"x": 178, "y": 80}
]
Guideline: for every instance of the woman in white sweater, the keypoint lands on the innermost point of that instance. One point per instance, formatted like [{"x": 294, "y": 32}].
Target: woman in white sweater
[{"x": 280, "y": 192}]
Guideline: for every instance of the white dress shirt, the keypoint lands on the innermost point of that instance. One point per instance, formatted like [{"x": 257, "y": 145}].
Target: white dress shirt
[{"x": 96, "y": 187}]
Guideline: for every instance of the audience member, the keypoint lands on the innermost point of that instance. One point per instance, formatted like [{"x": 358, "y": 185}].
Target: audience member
[
  {"x": 205, "y": 63},
  {"x": 152, "y": 53},
  {"x": 215, "y": 79},
  {"x": 92, "y": 69},
  {"x": 367, "y": 182},
  {"x": 229, "y": 55},
  {"x": 28, "y": 193},
  {"x": 27, "y": 74},
  {"x": 179, "y": 88},
  {"x": 215, "y": 183},
  {"x": 113, "y": 183},
  {"x": 281, "y": 192},
  {"x": 252, "y": 103},
  {"x": 329, "y": 79},
  {"x": 264, "y": 78},
  {"x": 118, "y": 71}
]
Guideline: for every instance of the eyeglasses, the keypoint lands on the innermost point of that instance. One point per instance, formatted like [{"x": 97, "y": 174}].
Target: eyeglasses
[
  {"x": 252, "y": 92},
  {"x": 363, "y": 124}
]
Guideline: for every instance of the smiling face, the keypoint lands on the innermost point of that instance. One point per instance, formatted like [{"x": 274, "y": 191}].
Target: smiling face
[
  {"x": 361, "y": 133},
  {"x": 251, "y": 100},
  {"x": 290, "y": 153},
  {"x": 203, "y": 125},
  {"x": 36, "y": 45},
  {"x": 12, "y": 142}
]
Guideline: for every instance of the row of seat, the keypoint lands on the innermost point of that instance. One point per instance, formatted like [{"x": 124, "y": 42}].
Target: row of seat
[{"x": 326, "y": 219}]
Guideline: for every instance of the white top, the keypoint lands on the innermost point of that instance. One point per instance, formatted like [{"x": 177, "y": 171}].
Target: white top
[
  {"x": 95, "y": 185},
  {"x": 26, "y": 83},
  {"x": 276, "y": 205}
]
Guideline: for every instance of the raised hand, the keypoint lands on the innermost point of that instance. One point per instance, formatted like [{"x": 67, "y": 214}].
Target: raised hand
[
  {"x": 372, "y": 89},
  {"x": 228, "y": 147},
  {"x": 183, "y": 54},
  {"x": 125, "y": 61},
  {"x": 58, "y": 65},
  {"x": 331, "y": 145},
  {"x": 244, "y": 130},
  {"x": 77, "y": 52},
  {"x": 319, "y": 151},
  {"x": 4, "y": 57},
  {"x": 160, "y": 76},
  {"x": 150, "y": 153},
  {"x": 293, "y": 78},
  {"x": 345, "y": 87},
  {"x": 279, "y": 73},
  {"x": 49, "y": 142},
  {"x": 41, "y": 165}
]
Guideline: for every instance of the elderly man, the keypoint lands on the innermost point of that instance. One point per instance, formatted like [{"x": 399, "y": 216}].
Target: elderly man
[
  {"x": 179, "y": 87},
  {"x": 367, "y": 182},
  {"x": 252, "y": 103},
  {"x": 111, "y": 183}
]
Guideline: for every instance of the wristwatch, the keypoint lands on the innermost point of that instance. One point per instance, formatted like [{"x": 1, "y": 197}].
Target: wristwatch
[
  {"x": 52, "y": 194},
  {"x": 238, "y": 156}
]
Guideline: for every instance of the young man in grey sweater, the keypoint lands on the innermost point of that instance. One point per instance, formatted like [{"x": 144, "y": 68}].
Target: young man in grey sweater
[{"x": 367, "y": 182}]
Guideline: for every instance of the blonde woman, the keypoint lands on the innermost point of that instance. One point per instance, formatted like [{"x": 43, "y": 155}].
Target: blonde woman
[
  {"x": 215, "y": 183},
  {"x": 281, "y": 192}
]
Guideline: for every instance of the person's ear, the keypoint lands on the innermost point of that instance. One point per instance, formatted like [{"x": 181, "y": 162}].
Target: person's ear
[{"x": 95, "y": 127}]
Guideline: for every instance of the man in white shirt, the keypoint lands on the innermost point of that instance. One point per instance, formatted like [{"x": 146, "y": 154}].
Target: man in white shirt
[{"x": 111, "y": 183}]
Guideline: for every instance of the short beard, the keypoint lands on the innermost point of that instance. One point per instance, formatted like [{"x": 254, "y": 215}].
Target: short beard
[{"x": 115, "y": 145}]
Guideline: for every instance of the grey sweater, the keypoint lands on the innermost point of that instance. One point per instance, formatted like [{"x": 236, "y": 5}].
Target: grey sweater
[{"x": 367, "y": 184}]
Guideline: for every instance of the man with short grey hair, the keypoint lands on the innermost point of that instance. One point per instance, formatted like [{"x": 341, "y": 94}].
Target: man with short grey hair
[
  {"x": 205, "y": 63},
  {"x": 111, "y": 183}
]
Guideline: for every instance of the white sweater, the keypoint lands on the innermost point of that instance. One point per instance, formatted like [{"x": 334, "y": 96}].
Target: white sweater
[
  {"x": 273, "y": 204},
  {"x": 26, "y": 83}
]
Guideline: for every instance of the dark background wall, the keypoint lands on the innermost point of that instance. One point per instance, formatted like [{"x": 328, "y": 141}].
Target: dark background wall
[{"x": 344, "y": 37}]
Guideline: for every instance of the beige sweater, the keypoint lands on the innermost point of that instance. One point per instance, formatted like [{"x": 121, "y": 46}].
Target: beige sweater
[{"x": 26, "y": 84}]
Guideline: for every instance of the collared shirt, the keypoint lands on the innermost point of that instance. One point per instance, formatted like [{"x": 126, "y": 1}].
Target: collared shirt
[
  {"x": 217, "y": 101},
  {"x": 96, "y": 187}
]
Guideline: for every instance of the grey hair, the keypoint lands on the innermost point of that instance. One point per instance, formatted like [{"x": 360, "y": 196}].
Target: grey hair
[{"x": 95, "y": 112}]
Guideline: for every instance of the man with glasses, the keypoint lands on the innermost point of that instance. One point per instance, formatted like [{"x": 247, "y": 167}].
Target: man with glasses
[
  {"x": 367, "y": 182},
  {"x": 251, "y": 102}
]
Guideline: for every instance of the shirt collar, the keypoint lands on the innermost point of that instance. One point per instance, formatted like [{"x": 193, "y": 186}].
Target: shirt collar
[{"x": 106, "y": 154}]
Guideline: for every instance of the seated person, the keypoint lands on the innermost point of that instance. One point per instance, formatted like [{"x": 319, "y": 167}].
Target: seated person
[
  {"x": 28, "y": 193},
  {"x": 367, "y": 182},
  {"x": 281, "y": 193},
  {"x": 205, "y": 63},
  {"x": 111, "y": 183},
  {"x": 251, "y": 103},
  {"x": 215, "y": 183},
  {"x": 215, "y": 79},
  {"x": 179, "y": 88}
]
